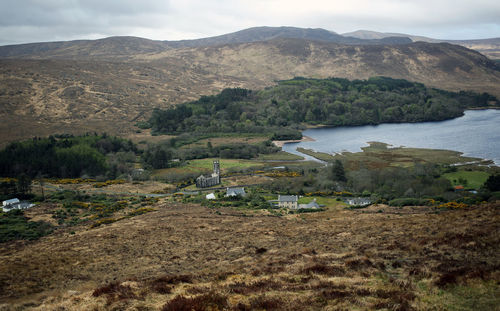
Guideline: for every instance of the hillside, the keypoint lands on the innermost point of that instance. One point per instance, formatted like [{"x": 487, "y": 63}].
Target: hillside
[
  {"x": 413, "y": 258},
  {"x": 111, "y": 48},
  {"x": 112, "y": 91},
  {"x": 489, "y": 47},
  {"x": 269, "y": 33},
  {"x": 114, "y": 48}
]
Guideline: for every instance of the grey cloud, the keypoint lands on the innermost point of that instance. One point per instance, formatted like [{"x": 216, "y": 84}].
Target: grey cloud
[{"x": 51, "y": 20}]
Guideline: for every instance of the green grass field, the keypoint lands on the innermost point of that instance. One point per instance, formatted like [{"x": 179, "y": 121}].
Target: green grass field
[
  {"x": 203, "y": 165},
  {"x": 318, "y": 155},
  {"x": 280, "y": 156},
  {"x": 475, "y": 179}
]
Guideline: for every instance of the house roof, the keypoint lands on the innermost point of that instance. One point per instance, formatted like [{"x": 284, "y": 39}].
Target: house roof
[
  {"x": 18, "y": 205},
  {"x": 235, "y": 191},
  {"x": 287, "y": 198},
  {"x": 10, "y": 201},
  {"x": 359, "y": 201},
  {"x": 311, "y": 204}
]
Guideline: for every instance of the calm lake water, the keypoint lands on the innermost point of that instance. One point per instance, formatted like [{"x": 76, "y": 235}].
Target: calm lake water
[{"x": 476, "y": 134}]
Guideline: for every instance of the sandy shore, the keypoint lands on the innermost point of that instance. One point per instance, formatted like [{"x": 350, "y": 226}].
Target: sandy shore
[{"x": 280, "y": 143}]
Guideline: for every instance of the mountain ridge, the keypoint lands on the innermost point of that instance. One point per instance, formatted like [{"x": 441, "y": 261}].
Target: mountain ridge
[
  {"x": 489, "y": 46},
  {"x": 110, "y": 90},
  {"x": 120, "y": 47},
  {"x": 127, "y": 45}
]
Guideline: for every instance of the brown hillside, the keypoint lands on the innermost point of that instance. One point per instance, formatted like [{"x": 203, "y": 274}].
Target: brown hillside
[
  {"x": 43, "y": 96},
  {"x": 376, "y": 258}
]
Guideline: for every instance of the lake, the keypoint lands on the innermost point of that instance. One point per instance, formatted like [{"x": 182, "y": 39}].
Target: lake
[{"x": 476, "y": 134}]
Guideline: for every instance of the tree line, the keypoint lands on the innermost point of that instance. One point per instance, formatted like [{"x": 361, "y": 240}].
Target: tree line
[
  {"x": 67, "y": 156},
  {"x": 333, "y": 102}
]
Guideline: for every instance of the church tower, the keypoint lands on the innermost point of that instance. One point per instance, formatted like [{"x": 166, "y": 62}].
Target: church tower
[
  {"x": 216, "y": 168},
  {"x": 216, "y": 172}
]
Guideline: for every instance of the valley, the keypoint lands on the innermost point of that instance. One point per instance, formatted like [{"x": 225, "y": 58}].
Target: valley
[{"x": 161, "y": 180}]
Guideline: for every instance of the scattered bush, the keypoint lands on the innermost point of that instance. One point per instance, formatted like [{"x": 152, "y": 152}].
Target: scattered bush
[
  {"x": 15, "y": 226},
  {"x": 210, "y": 301},
  {"x": 410, "y": 202},
  {"x": 321, "y": 268},
  {"x": 140, "y": 211},
  {"x": 103, "y": 221},
  {"x": 266, "y": 303},
  {"x": 115, "y": 291}
]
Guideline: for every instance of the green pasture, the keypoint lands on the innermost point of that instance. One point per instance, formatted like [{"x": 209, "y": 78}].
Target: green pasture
[
  {"x": 204, "y": 165},
  {"x": 474, "y": 179}
]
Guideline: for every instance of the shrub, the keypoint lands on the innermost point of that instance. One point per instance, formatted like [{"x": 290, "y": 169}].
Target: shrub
[
  {"x": 103, "y": 221},
  {"x": 409, "y": 202},
  {"x": 115, "y": 291},
  {"x": 320, "y": 268},
  {"x": 266, "y": 303},
  {"x": 15, "y": 226},
  {"x": 210, "y": 301},
  {"x": 140, "y": 211}
]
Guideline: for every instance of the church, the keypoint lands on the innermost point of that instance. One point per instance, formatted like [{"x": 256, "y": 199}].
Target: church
[{"x": 214, "y": 179}]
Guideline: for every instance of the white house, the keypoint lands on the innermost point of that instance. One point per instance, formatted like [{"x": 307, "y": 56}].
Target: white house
[
  {"x": 13, "y": 204},
  {"x": 210, "y": 196},
  {"x": 9, "y": 202},
  {"x": 358, "y": 201},
  {"x": 311, "y": 205},
  {"x": 232, "y": 192}
]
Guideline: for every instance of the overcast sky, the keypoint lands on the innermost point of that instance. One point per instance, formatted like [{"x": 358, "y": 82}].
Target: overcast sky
[{"x": 24, "y": 21}]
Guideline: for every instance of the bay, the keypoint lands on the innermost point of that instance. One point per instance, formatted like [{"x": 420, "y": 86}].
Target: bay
[{"x": 476, "y": 134}]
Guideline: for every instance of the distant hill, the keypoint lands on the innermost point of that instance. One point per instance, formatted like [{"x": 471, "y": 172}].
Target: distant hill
[
  {"x": 489, "y": 47},
  {"x": 110, "y": 84},
  {"x": 128, "y": 47},
  {"x": 108, "y": 48},
  {"x": 269, "y": 33}
]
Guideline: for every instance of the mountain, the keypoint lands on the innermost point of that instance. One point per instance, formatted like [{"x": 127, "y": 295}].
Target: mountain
[
  {"x": 107, "y": 48},
  {"x": 489, "y": 47},
  {"x": 269, "y": 33},
  {"x": 110, "y": 84},
  {"x": 128, "y": 47}
]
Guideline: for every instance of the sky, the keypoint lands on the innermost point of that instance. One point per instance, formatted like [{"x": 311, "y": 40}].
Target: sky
[{"x": 23, "y": 21}]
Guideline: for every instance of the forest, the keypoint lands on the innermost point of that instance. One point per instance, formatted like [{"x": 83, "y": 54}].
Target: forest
[
  {"x": 293, "y": 104},
  {"x": 68, "y": 156}
]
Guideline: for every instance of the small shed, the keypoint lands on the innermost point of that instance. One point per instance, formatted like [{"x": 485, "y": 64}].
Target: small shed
[
  {"x": 210, "y": 196},
  {"x": 232, "y": 192}
]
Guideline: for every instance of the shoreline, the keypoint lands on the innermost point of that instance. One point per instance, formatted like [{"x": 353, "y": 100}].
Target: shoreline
[{"x": 281, "y": 143}]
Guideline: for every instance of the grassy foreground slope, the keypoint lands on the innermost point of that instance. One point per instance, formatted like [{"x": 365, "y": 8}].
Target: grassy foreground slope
[{"x": 184, "y": 255}]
